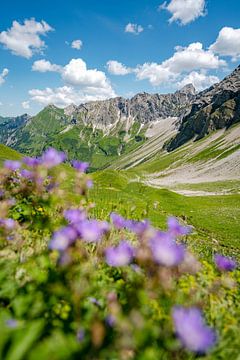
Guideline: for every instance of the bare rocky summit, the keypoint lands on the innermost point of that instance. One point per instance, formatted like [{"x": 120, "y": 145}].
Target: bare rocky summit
[{"x": 215, "y": 108}]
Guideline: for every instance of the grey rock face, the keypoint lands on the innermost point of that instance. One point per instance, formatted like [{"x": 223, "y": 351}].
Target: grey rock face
[
  {"x": 143, "y": 108},
  {"x": 215, "y": 108},
  {"x": 9, "y": 126}
]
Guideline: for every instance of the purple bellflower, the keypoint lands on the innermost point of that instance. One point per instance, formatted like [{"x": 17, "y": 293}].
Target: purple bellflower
[
  {"x": 52, "y": 158},
  {"x": 63, "y": 238},
  {"x": 120, "y": 255},
  {"x": 12, "y": 165},
  {"x": 92, "y": 230},
  {"x": 224, "y": 263},
  {"x": 31, "y": 162},
  {"x": 74, "y": 216},
  {"x": 192, "y": 331},
  {"x": 118, "y": 221},
  {"x": 80, "y": 166},
  {"x": 176, "y": 229},
  {"x": 166, "y": 251}
]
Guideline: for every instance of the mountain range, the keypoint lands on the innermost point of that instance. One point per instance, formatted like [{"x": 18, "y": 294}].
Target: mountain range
[{"x": 105, "y": 132}]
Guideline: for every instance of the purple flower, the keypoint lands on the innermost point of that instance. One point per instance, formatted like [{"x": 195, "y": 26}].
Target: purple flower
[
  {"x": 12, "y": 165},
  {"x": 192, "y": 331},
  {"x": 26, "y": 174},
  {"x": 52, "y": 158},
  {"x": 166, "y": 251},
  {"x": 11, "y": 323},
  {"x": 224, "y": 263},
  {"x": 31, "y": 162},
  {"x": 120, "y": 255},
  {"x": 176, "y": 229},
  {"x": 94, "y": 301},
  {"x": 80, "y": 335},
  {"x": 74, "y": 215},
  {"x": 8, "y": 224},
  {"x": 63, "y": 238},
  {"x": 92, "y": 230},
  {"x": 138, "y": 227},
  {"x": 89, "y": 183},
  {"x": 118, "y": 221},
  {"x": 110, "y": 320},
  {"x": 80, "y": 166}
]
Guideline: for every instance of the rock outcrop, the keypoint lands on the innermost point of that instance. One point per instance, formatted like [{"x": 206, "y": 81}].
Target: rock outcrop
[{"x": 215, "y": 108}]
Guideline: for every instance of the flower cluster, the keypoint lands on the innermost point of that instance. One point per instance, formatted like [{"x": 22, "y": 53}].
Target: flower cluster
[{"x": 113, "y": 287}]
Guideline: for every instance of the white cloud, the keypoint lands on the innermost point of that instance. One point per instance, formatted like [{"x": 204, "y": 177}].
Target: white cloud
[
  {"x": 227, "y": 43},
  {"x": 25, "y": 39},
  {"x": 3, "y": 75},
  {"x": 155, "y": 73},
  {"x": 1, "y": 104},
  {"x": 192, "y": 57},
  {"x": 184, "y": 60},
  {"x": 134, "y": 29},
  {"x": 200, "y": 80},
  {"x": 44, "y": 66},
  {"x": 66, "y": 95},
  {"x": 116, "y": 68},
  {"x": 76, "y": 73},
  {"x": 82, "y": 84},
  {"x": 184, "y": 11},
  {"x": 26, "y": 105},
  {"x": 77, "y": 44}
]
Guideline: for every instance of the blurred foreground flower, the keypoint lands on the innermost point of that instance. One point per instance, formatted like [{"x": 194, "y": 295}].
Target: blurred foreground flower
[
  {"x": 166, "y": 251},
  {"x": 63, "y": 238},
  {"x": 92, "y": 230},
  {"x": 224, "y": 263},
  {"x": 120, "y": 255},
  {"x": 52, "y": 158},
  {"x": 176, "y": 229},
  {"x": 12, "y": 165},
  {"x": 74, "y": 216},
  {"x": 192, "y": 331},
  {"x": 80, "y": 166}
]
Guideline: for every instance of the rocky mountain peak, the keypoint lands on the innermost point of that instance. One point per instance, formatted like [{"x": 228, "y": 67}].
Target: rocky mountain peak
[
  {"x": 217, "y": 107},
  {"x": 70, "y": 109},
  {"x": 188, "y": 89}
]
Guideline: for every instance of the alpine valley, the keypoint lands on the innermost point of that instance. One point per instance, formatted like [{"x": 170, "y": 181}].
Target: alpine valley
[{"x": 170, "y": 140}]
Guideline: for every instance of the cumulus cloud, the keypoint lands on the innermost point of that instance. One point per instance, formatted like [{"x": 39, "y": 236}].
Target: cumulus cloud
[
  {"x": 155, "y": 73},
  {"x": 184, "y": 11},
  {"x": 3, "y": 75},
  {"x": 66, "y": 95},
  {"x": 134, "y": 29},
  {"x": 81, "y": 84},
  {"x": 25, "y": 39},
  {"x": 76, "y": 73},
  {"x": 200, "y": 80},
  {"x": 227, "y": 43},
  {"x": 77, "y": 44},
  {"x": 44, "y": 66},
  {"x": 192, "y": 57},
  {"x": 184, "y": 60},
  {"x": 116, "y": 68},
  {"x": 26, "y": 105}
]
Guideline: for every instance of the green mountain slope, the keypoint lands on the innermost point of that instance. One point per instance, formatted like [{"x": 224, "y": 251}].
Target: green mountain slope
[
  {"x": 7, "y": 153},
  {"x": 52, "y": 127},
  {"x": 211, "y": 165}
]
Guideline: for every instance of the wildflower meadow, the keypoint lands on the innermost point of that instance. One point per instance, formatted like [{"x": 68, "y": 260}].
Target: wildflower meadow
[{"x": 73, "y": 286}]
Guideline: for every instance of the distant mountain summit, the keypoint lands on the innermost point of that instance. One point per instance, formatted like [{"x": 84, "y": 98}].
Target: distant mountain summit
[
  {"x": 215, "y": 108},
  {"x": 102, "y": 131},
  {"x": 142, "y": 108}
]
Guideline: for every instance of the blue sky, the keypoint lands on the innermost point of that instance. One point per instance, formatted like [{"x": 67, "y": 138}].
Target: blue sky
[{"x": 127, "y": 47}]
